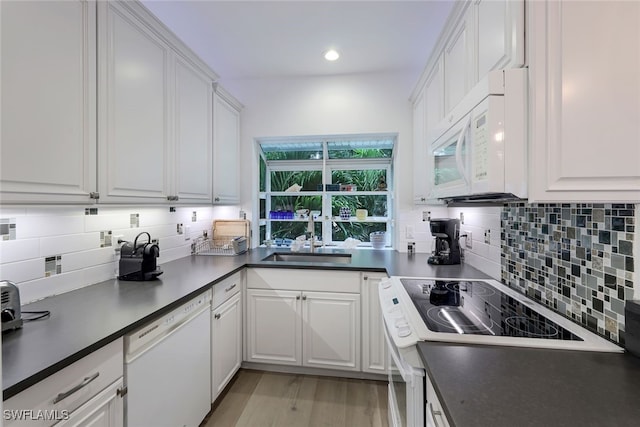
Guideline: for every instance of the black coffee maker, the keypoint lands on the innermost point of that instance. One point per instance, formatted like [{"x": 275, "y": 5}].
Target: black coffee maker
[{"x": 447, "y": 248}]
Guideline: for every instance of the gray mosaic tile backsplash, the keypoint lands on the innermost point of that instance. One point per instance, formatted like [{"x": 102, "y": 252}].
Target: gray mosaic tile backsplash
[{"x": 576, "y": 259}]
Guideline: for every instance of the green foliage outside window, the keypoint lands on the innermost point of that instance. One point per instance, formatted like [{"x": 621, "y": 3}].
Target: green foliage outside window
[{"x": 365, "y": 180}]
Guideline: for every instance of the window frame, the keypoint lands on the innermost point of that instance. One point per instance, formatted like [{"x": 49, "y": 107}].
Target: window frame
[{"x": 327, "y": 166}]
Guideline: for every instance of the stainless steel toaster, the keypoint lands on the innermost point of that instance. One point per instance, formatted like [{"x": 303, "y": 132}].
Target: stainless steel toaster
[{"x": 10, "y": 308}]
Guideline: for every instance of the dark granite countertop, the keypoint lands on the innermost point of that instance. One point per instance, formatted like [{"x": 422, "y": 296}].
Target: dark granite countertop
[
  {"x": 84, "y": 320},
  {"x": 514, "y": 386}
]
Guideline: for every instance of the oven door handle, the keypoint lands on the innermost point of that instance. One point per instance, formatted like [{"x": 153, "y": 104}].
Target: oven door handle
[{"x": 405, "y": 371}]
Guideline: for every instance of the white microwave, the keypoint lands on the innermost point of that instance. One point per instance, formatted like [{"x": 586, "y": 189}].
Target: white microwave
[{"x": 479, "y": 152}]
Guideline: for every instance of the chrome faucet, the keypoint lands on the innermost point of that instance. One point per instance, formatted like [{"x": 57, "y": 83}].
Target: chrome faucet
[{"x": 311, "y": 231}]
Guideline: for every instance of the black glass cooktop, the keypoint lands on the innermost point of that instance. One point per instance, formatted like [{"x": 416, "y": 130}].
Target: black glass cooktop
[{"x": 468, "y": 307}]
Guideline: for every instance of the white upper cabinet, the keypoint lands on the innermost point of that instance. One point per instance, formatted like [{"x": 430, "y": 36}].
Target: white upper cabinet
[
  {"x": 134, "y": 108},
  {"x": 420, "y": 175},
  {"x": 584, "y": 60},
  {"x": 48, "y": 102},
  {"x": 499, "y": 35},
  {"x": 434, "y": 99},
  {"x": 458, "y": 61},
  {"x": 194, "y": 138},
  {"x": 155, "y": 112},
  {"x": 226, "y": 148}
]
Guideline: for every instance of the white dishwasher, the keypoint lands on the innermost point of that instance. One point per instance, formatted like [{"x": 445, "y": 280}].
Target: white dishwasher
[{"x": 168, "y": 369}]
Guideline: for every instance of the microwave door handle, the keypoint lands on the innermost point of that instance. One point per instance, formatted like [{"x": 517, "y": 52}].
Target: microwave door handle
[{"x": 461, "y": 139}]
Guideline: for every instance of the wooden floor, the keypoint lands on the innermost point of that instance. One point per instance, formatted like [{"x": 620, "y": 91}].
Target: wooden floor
[{"x": 257, "y": 399}]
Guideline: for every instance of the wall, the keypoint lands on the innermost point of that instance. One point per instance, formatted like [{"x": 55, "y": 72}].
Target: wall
[
  {"x": 348, "y": 104},
  {"x": 49, "y": 250},
  {"x": 482, "y": 223},
  {"x": 578, "y": 259}
]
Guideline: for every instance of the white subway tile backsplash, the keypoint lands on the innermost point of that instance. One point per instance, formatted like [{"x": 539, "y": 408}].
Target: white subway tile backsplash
[
  {"x": 107, "y": 221},
  {"x": 485, "y": 257},
  {"x": 17, "y": 250},
  {"x": 483, "y": 264},
  {"x": 28, "y": 227},
  {"x": 173, "y": 254},
  {"x": 22, "y": 271},
  {"x": 38, "y": 289},
  {"x": 65, "y": 231},
  {"x": 89, "y": 258},
  {"x": 96, "y": 274},
  {"x": 69, "y": 243}
]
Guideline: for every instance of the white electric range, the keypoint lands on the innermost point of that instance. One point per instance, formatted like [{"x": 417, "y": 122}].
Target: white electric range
[{"x": 466, "y": 311}]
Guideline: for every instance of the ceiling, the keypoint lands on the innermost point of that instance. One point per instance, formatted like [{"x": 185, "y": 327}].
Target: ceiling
[{"x": 285, "y": 39}]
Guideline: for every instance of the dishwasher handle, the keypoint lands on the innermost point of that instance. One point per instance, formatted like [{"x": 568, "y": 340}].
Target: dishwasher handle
[{"x": 60, "y": 397}]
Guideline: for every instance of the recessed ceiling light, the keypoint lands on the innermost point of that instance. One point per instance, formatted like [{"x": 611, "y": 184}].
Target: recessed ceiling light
[{"x": 331, "y": 55}]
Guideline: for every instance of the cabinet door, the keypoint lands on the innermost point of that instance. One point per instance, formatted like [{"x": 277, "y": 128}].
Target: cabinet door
[
  {"x": 434, "y": 101},
  {"x": 458, "y": 60},
  {"x": 194, "y": 141},
  {"x": 48, "y": 101},
  {"x": 134, "y": 101},
  {"x": 331, "y": 330},
  {"x": 104, "y": 410},
  {"x": 274, "y": 326},
  {"x": 420, "y": 158},
  {"x": 584, "y": 101},
  {"x": 374, "y": 347},
  {"x": 226, "y": 343},
  {"x": 226, "y": 152},
  {"x": 499, "y": 35}
]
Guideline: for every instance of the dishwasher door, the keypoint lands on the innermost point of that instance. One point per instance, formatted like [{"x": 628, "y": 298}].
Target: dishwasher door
[{"x": 169, "y": 384}]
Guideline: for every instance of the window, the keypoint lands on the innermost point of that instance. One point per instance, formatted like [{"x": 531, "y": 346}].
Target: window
[{"x": 345, "y": 181}]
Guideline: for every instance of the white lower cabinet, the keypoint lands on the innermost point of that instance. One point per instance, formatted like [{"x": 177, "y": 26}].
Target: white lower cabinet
[
  {"x": 311, "y": 320},
  {"x": 85, "y": 393},
  {"x": 331, "y": 330},
  {"x": 274, "y": 327},
  {"x": 104, "y": 410},
  {"x": 315, "y": 329},
  {"x": 226, "y": 343},
  {"x": 374, "y": 347}
]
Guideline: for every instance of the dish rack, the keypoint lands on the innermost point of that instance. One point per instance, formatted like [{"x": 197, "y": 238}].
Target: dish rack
[
  {"x": 229, "y": 246},
  {"x": 230, "y": 237}
]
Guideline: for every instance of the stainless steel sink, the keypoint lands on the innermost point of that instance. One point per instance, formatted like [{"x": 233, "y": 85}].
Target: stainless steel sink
[{"x": 309, "y": 257}]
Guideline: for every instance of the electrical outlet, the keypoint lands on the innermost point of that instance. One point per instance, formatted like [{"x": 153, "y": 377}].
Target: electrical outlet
[
  {"x": 461, "y": 217},
  {"x": 426, "y": 215},
  {"x": 487, "y": 236},
  {"x": 179, "y": 228},
  {"x": 468, "y": 241},
  {"x": 409, "y": 232},
  {"x": 187, "y": 232}
]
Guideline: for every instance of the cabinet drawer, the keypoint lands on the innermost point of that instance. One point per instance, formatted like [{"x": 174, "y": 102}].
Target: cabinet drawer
[
  {"x": 227, "y": 288},
  {"x": 55, "y": 394},
  {"x": 304, "y": 280}
]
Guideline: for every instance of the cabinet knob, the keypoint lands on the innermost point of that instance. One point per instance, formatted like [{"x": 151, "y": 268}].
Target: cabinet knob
[
  {"x": 217, "y": 316},
  {"x": 304, "y": 298},
  {"x": 298, "y": 297},
  {"x": 94, "y": 195},
  {"x": 365, "y": 278},
  {"x": 217, "y": 199}
]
